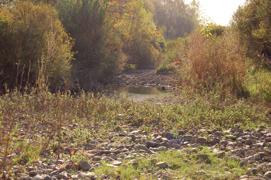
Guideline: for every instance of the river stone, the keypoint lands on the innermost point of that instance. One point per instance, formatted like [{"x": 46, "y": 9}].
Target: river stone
[
  {"x": 151, "y": 144},
  {"x": 202, "y": 140},
  {"x": 116, "y": 163},
  {"x": 188, "y": 138},
  {"x": 32, "y": 173},
  {"x": 38, "y": 177},
  {"x": 267, "y": 175},
  {"x": 84, "y": 166},
  {"x": 47, "y": 178},
  {"x": 87, "y": 176},
  {"x": 162, "y": 165},
  {"x": 169, "y": 136},
  {"x": 252, "y": 171},
  {"x": 25, "y": 177},
  {"x": 63, "y": 175}
]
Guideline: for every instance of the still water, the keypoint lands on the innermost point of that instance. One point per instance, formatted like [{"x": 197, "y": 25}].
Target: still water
[{"x": 141, "y": 93}]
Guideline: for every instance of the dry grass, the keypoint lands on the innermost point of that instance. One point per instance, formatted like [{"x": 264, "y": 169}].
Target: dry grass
[{"x": 216, "y": 62}]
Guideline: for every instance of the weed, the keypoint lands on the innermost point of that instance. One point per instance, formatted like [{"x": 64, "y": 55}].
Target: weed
[{"x": 200, "y": 163}]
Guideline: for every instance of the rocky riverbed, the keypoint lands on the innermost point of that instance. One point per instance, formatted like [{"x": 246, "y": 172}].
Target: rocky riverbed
[
  {"x": 148, "y": 78},
  {"x": 251, "y": 147}
]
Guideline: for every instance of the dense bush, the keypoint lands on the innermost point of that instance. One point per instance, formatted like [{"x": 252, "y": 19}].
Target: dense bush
[
  {"x": 35, "y": 49},
  {"x": 215, "y": 63},
  {"x": 253, "y": 21}
]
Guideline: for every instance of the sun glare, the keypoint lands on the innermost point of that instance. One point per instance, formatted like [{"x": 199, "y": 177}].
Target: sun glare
[{"x": 219, "y": 11}]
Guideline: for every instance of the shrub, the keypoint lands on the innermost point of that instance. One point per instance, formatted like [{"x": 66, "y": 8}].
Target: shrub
[
  {"x": 253, "y": 22},
  {"x": 35, "y": 49},
  {"x": 215, "y": 63}
]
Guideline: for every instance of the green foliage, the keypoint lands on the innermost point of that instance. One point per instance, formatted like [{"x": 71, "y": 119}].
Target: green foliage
[
  {"x": 35, "y": 49},
  {"x": 258, "y": 83},
  {"x": 173, "y": 56},
  {"x": 213, "y": 30},
  {"x": 141, "y": 37},
  {"x": 253, "y": 21},
  {"x": 29, "y": 152},
  {"x": 97, "y": 49}
]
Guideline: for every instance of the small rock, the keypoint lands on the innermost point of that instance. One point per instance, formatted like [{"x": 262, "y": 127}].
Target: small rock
[
  {"x": 63, "y": 175},
  {"x": 32, "y": 173},
  {"x": 181, "y": 132},
  {"x": 267, "y": 175},
  {"x": 162, "y": 165},
  {"x": 96, "y": 158},
  {"x": 188, "y": 138},
  {"x": 169, "y": 136},
  {"x": 84, "y": 166},
  {"x": 252, "y": 171},
  {"x": 25, "y": 177},
  {"x": 134, "y": 162},
  {"x": 202, "y": 140},
  {"x": 47, "y": 178},
  {"x": 38, "y": 177},
  {"x": 231, "y": 137},
  {"x": 142, "y": 147},
  {"x": 151, "y": 144},
  {"x": 87, "y": 176},
  {"x": 259, "y": 156},
  {"x": 246, "y": 177},
  {"x": 116, "y": 163}
]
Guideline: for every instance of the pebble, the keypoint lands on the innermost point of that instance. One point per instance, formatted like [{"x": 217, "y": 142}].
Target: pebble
[
  {"x": 252, "y": 148},
  {"x": 267, "y": 175},
  {"x": 32, "y": 173},
  {"x": 162, "y": 165},
  {"x": 169, "y": 136},
  {"x": 116, "y": 163},
  {"x": 87, "y": 176},
  {"x": 84, "y": 165}
]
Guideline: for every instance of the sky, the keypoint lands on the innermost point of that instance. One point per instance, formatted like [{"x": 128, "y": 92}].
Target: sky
[{"x": 219, "y": 11}]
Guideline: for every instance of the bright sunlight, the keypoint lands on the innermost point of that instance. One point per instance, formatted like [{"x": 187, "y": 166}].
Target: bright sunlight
[{"x": 219, "y": 11}]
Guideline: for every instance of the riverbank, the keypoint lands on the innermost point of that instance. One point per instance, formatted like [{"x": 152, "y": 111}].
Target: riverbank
[{"x": 87, "y": 137}]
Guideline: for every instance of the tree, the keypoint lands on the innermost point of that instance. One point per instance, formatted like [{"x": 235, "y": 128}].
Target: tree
[
  {"x": 138, "y": 31},
  {"x": 35, "y": 49},
  {"x": 253, "y": 22},
  {"x": 97, "y": 50},
  {"x": 176, "y": 18}
]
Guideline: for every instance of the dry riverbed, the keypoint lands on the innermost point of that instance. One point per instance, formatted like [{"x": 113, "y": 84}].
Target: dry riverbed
[{"x": 131, "y": 153}]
